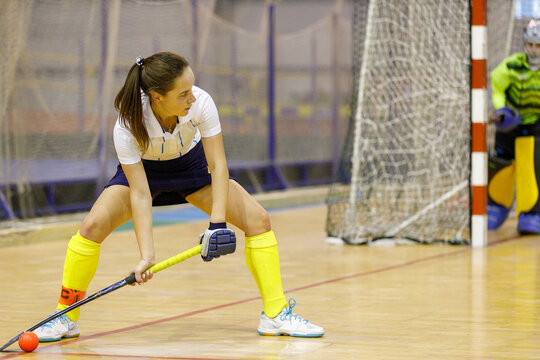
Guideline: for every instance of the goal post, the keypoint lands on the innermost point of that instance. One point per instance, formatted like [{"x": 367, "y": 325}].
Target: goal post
[
  {"x": 479, "y": 120},
  {"x": 414, "y": 163}
]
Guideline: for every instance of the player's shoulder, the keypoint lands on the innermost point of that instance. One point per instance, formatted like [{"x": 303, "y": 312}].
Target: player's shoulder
[
  {"x": 121, "y": 128},
  {"x": 119, "y": 124},
  {"x": 203, "y": 103},
  {"x": 200, "y": 93},
  {"x": 516, "y": 61}
]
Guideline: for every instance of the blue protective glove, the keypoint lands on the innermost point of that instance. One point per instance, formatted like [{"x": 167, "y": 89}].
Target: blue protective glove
[
  {"x": 217, "y": 240},
  {"x": 506, "y": 118}
]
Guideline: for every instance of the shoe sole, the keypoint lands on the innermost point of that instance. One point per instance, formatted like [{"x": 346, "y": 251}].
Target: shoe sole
[
  {"x": 527, "y": 230},
  {"x": 293, "y": 335},
  {"x": 58, "y": 339}
]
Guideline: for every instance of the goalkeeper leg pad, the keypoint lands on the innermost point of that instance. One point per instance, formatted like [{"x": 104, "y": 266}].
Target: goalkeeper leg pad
[
  {"x": 527, "y": 170},
  {"x": 501, "y": 175},
  {"x": 500, "y": 190}
]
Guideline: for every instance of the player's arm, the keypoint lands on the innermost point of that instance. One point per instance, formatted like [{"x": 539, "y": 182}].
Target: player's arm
[
  {"x": 141, "y": 210},
  {"x": 499, "y": 83},
  {"x": 504, "y": 117},
  {"x": 217, "y": 165},
  {"x": 217, "y": 240}
]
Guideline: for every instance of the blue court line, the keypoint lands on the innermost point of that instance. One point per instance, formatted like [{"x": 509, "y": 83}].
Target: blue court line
[
  {"x": 169, "y": 217},
  {"x": 191, "y": 213}
]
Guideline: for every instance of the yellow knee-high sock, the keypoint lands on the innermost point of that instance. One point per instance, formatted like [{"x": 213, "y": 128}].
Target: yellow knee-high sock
[
  {"x": 262, "y": 259},
  {"x": 79, "y": 268}
]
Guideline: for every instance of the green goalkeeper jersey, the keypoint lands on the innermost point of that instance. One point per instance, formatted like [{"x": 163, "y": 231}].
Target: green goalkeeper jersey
[{"x": 514, "y": 84}]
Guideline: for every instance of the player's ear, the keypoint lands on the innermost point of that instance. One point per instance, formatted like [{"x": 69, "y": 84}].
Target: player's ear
[{"x": 155, "y": 97}]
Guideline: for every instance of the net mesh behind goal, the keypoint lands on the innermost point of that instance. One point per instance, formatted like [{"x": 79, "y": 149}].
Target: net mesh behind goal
[{"x": 405, "y": 165}]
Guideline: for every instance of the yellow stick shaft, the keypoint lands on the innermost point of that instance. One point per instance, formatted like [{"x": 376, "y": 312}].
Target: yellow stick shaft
[{"x": 176, "y": 259}]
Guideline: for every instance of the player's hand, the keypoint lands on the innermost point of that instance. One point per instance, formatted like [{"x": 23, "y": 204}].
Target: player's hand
[
  {"x": 506, "y": 118},
  {"x": 217, "y": 240},
  {"x": 141, "y": 275}
]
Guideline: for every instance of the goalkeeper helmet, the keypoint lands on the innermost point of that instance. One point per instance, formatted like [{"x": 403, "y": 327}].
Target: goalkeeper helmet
[{"x": 531, "y": 37}]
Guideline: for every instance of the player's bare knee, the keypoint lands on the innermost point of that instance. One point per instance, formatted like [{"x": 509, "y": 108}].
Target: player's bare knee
[
  {"x": 91, "y": 229},
  {"x": 265, "y": 221},
  {"x": 258, "y": 223}
]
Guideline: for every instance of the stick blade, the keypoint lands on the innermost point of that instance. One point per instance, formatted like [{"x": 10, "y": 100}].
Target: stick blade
[{"x": 10, "y": 342}]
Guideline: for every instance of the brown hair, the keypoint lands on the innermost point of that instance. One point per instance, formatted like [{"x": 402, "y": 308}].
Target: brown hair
[{"x": 152, "y": 74}]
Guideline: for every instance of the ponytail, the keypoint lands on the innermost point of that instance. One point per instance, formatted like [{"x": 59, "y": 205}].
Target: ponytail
[{"x": 129, "y": 105}]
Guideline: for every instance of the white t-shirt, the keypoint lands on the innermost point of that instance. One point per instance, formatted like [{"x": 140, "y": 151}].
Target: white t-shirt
[{"x": 201, "y": 120}]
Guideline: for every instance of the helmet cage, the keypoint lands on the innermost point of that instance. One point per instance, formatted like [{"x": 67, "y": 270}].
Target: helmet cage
[
  {"x": 531, "y": 34},
  {"x": 531, "y": 39}
]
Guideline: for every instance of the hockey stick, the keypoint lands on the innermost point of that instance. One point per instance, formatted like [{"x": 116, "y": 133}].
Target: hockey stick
[{"x": 128, "y": 280}]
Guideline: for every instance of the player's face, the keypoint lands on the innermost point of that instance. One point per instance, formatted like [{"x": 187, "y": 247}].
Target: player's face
[
  {"x": 533, "y": 50},
  {"x": 178, "y": 101}
]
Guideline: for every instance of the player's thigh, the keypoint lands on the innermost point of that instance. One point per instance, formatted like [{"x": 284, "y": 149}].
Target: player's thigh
[
  {"x": 242, "y": 210},
  {"x": 111, "y": 209}
]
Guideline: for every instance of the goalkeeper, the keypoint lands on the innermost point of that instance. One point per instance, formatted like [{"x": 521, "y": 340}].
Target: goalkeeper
[{"x": 516, "y": 160}]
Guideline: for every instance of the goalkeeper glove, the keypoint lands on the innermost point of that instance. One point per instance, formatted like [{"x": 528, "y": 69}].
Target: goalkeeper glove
[{"x": 506, "y": 118}]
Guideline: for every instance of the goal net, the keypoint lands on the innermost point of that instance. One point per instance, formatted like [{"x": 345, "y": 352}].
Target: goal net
[{"x": 405, "y": 165}]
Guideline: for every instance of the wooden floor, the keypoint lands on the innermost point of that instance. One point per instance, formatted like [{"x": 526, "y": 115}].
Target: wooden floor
[{"x": 405, "y": 302}]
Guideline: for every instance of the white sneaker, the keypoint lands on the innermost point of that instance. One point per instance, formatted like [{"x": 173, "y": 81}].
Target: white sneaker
[
  {"x": 288, "y": 323},
  {"x": 54, "y": 330}
]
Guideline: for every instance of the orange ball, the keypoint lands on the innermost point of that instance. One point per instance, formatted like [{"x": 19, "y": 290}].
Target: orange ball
[{"x": 28, "y": 341}]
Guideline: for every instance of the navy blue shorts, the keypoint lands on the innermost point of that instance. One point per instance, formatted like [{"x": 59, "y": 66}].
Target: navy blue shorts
[{"x": 171, "y": 181}]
